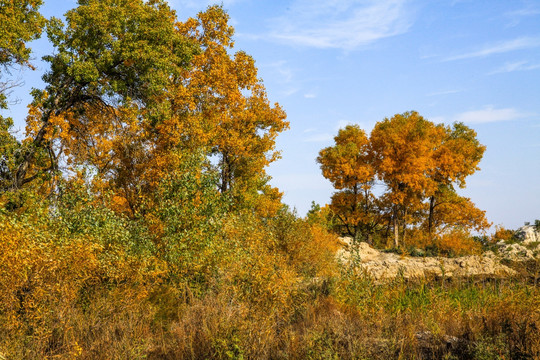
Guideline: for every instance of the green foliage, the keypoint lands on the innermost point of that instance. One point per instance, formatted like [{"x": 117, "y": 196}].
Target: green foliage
[
  {"x": 115, "y": 51},
  {"x": 187, "y": 220},
  {"x": 21, "y": 23},
  {"x": 8, "y": 148}
]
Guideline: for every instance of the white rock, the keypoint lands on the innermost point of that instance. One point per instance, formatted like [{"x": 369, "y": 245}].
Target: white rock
[
  {"x": 528, "y": 234},
  {"x": 385, "y": 266},
  {"x": 515, "y": 252}
]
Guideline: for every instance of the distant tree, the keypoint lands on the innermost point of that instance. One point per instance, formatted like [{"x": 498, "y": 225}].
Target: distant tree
[
  {"x": 349, "y": 166},
  {"x": 455, "y": 158},
  {"x": 419, "y": 163},
  {"x": 403, "y": 155}
]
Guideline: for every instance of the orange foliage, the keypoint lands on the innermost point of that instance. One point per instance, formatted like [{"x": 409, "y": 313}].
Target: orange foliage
[
  {"x": 458, "y": 242},
  {"x": 349, "y": 166},
  {"x": 230, "y": 101},
  {"x": 403, "y": 154},
  {"x": 214, "y": 105},
  {"x": 418, "y": 162},
  {"x": 453, "y": 210},
  {"x": 502, "y": 234}
]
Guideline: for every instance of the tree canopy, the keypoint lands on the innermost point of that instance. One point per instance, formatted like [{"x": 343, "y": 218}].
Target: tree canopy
[
  {"x": 419, "y": 163},
  {"x": 21, "y": 23},
  {"x": 132, "y": 91}
]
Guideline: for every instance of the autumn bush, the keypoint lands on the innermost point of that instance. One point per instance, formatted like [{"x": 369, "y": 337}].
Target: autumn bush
[
  {"x": 76, "y": 278},
  {"x": 455, "y": 242},
  {"x": 51, "y": 265},
  {"x": 502, "y": 234},
  {"x": 458, "y": 242}
]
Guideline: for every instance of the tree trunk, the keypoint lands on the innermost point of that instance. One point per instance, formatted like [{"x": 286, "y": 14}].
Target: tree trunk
[
  {"x": 20, "y": 175},
  {"x": 225, "y": 174},
  {"x": 430, "y": 218},
  {"x": 404, "y": 236},
  {"x": 388, "y": 227},
  {"x": 396, "y": 229}
]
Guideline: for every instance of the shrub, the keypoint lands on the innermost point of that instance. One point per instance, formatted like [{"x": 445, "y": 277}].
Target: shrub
[{"x": 503, "y": 234}]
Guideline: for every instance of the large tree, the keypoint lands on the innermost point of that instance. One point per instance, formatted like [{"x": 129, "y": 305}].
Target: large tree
[
  {"x": 403, "y": 148},
  {"x": 133, "y": 92}
]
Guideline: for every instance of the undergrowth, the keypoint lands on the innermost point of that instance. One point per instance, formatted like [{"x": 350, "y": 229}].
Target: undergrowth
[{"x": 257, "y": 288}]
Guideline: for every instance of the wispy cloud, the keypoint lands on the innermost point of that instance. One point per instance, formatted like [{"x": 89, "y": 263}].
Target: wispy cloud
[
  {"x": 499, "y": 48},
  {"x": 310, "y": 96},
  {"x": 515, "y": 66},
  {"x": 319, "y": 138},
  {"x": 289, "y": 91},
  {"x": 530, "y": 11},
  {"x": 344, "y": 24},
  {"x": 282, "y": 71},
  {"x": 444, "y": 92},
  {"x": 489, "y": 114},
  {"x": 516, "y": 16}
]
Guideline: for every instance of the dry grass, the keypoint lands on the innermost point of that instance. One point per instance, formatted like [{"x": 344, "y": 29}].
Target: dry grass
[{"x": 355, "y": 320}]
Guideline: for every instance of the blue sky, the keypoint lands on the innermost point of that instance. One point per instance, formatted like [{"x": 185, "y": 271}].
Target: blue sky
[{"x": 334, "y": 62}]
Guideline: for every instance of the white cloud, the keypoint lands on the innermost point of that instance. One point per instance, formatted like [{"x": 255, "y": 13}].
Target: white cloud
[
  {"x": 530, "y": 11},
  {"x": 280, "y": 71},
  {"x": 289, "y": 91},
  {"x": 515, "y": 66},
  {"x": 310, "y": 96},
  {"x": 319, "y": 138},
  {"x": 490, "y": 114},
  {"x": 499, "y": 48},
  {"x": 344, "y": 24}
]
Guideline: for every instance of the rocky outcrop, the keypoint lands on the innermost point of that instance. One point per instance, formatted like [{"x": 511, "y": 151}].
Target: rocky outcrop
[
  {"x": 385, "y": 266},
  {"x": 528, "y": 234},
  {"x": 516, "y": 252}
]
